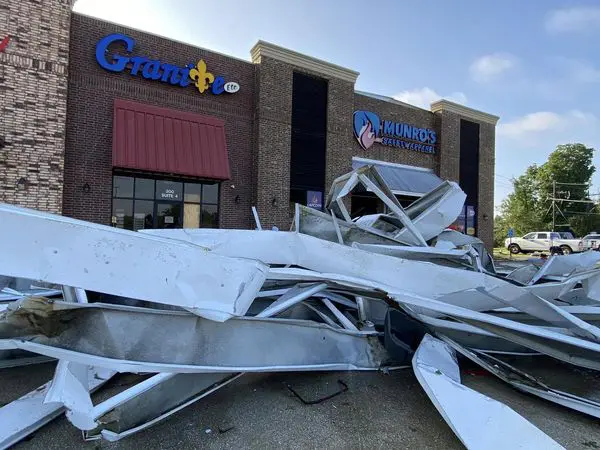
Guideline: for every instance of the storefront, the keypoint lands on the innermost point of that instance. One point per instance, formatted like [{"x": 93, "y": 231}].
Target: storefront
[{"x": 161, "y": 134}]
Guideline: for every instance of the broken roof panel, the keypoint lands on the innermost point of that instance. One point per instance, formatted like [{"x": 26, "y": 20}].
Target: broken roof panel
[
  {"x": 81, "y": 254},
  {"x": 478, "y": 421},
  {"x": 401, "y": 179}
]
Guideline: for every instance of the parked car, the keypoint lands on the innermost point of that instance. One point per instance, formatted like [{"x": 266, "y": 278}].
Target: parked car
[
  {"x": 591, "y": 242},
  {"x": 543, "y": 241}
]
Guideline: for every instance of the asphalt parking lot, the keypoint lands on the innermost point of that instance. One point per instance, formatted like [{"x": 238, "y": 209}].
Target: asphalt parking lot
[{"x": 258, "y": 411}]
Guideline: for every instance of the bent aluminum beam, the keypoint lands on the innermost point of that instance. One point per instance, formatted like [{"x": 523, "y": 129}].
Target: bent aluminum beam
[
  {"x": 75, "y": 253},
  {"x": 478, "y": 421},
  {"x": 141, "y": 407},
  {"x": 296, "y": 249},
  {"x": 526, "y": 383},
  {"x": 473, "y": 337},
  {"x": 552, "y": 343},
  {"x": 290, "y": 298},
  {"x": 131, "y": 339},
  {"x": 29, "y": 413},
  {"x": 312, "y": 222}
]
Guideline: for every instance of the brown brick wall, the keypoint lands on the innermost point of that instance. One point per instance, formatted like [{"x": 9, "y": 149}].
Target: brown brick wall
[
  {"x": 487, "y": 165},
  {"x": 274, "y": 135},
  {"x": 450, "y": 167},
  {"x": 92, "y": 91},
  {"x": 33, "y": 102},
  {"x": 274, "y": 117}
]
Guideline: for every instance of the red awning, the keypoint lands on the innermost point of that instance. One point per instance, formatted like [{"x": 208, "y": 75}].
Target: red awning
[{"x": 166, "y": 140}]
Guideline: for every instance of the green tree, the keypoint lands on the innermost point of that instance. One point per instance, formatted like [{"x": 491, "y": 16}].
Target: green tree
[
  {"x": 501, "y": 227},
  {"x": 523, "y": 209},
  {"x": 528, "y": 207}
]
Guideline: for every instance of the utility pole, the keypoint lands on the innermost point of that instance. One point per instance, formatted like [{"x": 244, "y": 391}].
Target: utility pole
[{"x": 553, "y": 204}]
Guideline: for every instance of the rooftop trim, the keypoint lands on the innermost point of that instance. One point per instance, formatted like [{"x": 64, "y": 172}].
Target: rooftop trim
[
  {"x": 385, "y": 98},
  {"x": 446, "y": 105},
  {"x": 262, "y": 48}
]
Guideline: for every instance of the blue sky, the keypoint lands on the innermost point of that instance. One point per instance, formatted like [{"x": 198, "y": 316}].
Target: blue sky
[{"x": 536, "y": 64}]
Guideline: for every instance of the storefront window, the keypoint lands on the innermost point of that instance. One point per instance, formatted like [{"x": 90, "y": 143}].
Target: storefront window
[
  {"x": 123, "y": 187},
  {"x": 144, "y": 188},
  {"x": 140, "y": 203},
  {"x": 122, "y": 216}
]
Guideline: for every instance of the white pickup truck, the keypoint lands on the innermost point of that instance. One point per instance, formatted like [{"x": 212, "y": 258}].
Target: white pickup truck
[{"x": 542, "y": 241}]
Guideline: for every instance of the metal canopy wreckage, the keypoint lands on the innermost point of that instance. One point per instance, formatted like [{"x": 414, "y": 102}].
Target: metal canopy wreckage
[{"x": 195, "y": 309}]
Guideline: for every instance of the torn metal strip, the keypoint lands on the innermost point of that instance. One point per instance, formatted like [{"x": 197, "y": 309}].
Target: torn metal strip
[
  {"x": 338, "y": 232},
  {"x": 473, "y": 337},
  {"x": 126, "y": 263},
  {"x": 256, "y": 218},
  {"x": 225, "y": 379},
  {"x": 94, "y": 334},
  {"x": 29, "y": 413},
  {"x": 559, "y": 345},
  {"x": 409, "y": 226},
  {"x": 478, "y": 421},
  {"x": 297, "y": 249},
  {"x": 525, "y": 382}
]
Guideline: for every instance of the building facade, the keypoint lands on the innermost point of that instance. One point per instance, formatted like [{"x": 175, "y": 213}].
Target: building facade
[{"x": 158, "y": 133}]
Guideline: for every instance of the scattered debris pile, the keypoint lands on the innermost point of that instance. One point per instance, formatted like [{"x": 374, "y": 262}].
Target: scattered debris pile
[{"x": 198, "y": 308}]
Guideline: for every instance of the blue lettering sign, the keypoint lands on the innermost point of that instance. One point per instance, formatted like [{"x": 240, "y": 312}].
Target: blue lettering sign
[
  {"x": 118, "y": 62},
  {"x": 369, "y": 129},
  {"x": 155, "y": 70},
  {"x": 388, "y": 127}
]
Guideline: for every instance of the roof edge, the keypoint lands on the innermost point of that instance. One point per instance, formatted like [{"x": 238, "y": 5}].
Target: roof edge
[
  {"x": 263, "y": 48},
  {"x": 446, "y": 105}
]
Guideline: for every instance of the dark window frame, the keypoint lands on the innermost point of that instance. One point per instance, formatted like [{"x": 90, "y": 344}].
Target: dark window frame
[{"x": 181, "y": 201}]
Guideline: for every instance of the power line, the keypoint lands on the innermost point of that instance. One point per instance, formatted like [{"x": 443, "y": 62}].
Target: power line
[{"x": 573, "y": 184}]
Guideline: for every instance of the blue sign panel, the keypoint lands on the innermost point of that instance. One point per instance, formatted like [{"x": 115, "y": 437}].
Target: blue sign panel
[
  {"x": 511, "y": 232},
  {"x": 314, "y": 199},
  {"x": 369, "y": 129}
]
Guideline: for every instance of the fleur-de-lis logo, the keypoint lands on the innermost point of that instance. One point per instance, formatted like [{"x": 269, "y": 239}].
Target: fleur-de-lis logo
[{"x": 202, "y": 77}]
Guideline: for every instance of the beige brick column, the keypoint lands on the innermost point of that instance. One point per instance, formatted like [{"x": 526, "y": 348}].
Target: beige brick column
[{"x": 33, "y": 101}]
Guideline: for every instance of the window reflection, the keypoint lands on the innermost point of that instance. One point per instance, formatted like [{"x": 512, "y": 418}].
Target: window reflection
[{"x": 143, "y": 203}]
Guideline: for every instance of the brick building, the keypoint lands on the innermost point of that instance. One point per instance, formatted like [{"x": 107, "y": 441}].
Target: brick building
[{"x": 146, "y": 132}]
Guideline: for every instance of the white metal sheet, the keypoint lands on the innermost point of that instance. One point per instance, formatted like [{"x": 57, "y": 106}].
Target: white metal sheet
[
  {"x": 71, "y": 252},
  {"x": 480, "y": 422}
]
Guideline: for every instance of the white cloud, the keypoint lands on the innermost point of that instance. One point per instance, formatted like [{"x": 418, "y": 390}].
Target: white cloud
[
  {"x": 423, "y": 97},
  {"x": 575, "y": 19},
  {"x": 489, "y": 67},
  {"x": 531, "y": 126}
]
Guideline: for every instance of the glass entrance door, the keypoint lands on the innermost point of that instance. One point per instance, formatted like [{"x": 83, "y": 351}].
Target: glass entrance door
[{"x": 168, "y": 215}]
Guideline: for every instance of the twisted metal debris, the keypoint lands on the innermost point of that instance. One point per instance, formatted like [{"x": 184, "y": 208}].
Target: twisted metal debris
[{"x": 197, "y": 308}]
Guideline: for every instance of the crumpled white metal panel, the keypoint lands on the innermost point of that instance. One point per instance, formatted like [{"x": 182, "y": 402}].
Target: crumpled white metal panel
[
  {"x": 480, "y": 422},
  {"x": 71, "y": 252}
]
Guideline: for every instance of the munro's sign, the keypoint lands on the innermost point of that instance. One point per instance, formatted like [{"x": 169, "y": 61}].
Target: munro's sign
[
  {"x": 153, "y": 69},
  {"x": 369, "y": 129}
]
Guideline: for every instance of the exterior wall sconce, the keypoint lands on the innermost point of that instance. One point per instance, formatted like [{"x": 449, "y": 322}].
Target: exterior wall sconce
[
  {"x": 485, "y": 217},
  {"x": 86, "y": 188},
  {"x": 22, "y": 184},
  {"x": 274, "y": 201},
  {"x": 237, "y": 199}
]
